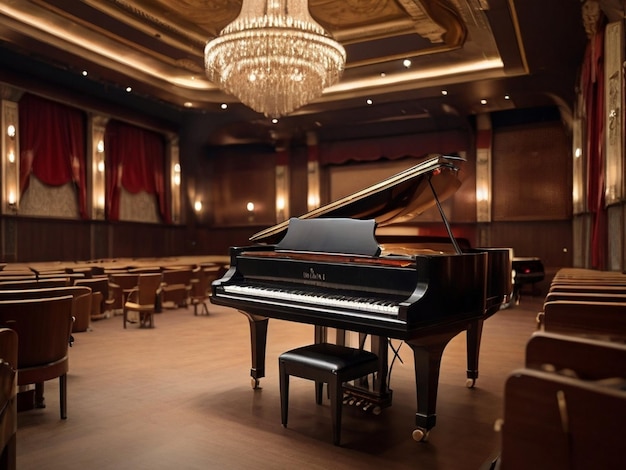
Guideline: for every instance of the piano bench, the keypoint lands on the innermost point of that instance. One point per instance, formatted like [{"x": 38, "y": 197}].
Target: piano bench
[{"x": 324, "y": 363}]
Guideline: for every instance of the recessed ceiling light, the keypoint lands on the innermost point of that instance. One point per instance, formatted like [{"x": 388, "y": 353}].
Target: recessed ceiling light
[
  {"x": 507, "y": 97},
  {"x": 223, "y": 106},
  {"x": 188, "y": 104},
  {"x": 128, "y": 89},
  {"x": 383, "y": 74},
  {"x": 368, "y": 101},
  {"x": 84, "y": 73},
  {"x": 444, "y": 92},
  {"x": 483, "y": 101},
  {"x": 406, "y": 63},
  {"x": 274, "y": 121}
]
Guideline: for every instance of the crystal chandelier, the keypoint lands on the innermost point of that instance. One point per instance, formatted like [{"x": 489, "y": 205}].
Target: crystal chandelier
[{"x": 274, "y": 57}]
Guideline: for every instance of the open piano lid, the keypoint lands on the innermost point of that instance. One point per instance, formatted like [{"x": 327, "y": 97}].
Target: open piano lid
[{"x": 399, "y": 198}]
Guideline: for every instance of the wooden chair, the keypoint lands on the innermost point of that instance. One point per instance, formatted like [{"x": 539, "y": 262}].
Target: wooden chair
[
  {"x": 142, "y": 299},
  {"x": 8, "y": 398},
  {"x": 43, "y": 327},
  {"x": 102, "y": 299},
  {"x": 200, "y": 287},
  {"x": 121, "y": 283},
  {"x": 176, "y": 287}
]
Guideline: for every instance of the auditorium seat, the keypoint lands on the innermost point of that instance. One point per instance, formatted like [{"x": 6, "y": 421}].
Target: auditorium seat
[
  {"x": 43, "y": 327},
  {"x": 142, "y": 299},
  {"x": 8, "y": 399}
]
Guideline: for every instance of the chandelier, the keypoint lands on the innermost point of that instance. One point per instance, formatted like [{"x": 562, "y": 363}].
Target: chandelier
[{"x": 274, "y": 57}]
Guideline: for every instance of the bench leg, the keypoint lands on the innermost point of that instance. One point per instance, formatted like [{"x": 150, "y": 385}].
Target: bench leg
[{"x": 336, "y": 401}]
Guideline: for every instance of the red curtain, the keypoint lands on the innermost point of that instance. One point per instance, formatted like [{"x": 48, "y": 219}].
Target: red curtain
[
  {"x": 593, "y": 89},
  {"x": 393, "y": 147},
  {"x": 136, "y": 162},
  {"x": 52, "y": 143}
]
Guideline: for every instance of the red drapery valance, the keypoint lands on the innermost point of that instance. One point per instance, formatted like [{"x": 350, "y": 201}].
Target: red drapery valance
[
  {"x": 393, "y": 148},
  {"x": 136, "y": 162},
  {"x": 52, "y": 143}
]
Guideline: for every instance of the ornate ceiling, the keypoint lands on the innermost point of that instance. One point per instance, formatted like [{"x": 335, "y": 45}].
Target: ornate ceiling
[{"x": 472, "y": 49}]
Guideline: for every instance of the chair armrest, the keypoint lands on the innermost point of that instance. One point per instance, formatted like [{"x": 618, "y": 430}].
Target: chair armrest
[{"x": 132, "y": 295}]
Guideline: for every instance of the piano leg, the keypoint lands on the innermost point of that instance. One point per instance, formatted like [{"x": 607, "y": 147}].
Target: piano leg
[
  {"x": 427, "y": 352},
  {"x": 474, "y": 335},
  {"x": 258, "y": 341}
]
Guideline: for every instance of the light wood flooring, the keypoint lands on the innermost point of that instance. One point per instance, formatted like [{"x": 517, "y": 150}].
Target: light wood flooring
[{"x": 179, "y": 396}]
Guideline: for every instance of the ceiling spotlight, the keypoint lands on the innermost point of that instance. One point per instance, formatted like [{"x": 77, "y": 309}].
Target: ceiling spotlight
[
  {"x": 444, "y": 92},
  {"x": 274, "y": 121},
  {"x": 483, "y": 101},
  {"x": 224, "y": 106},
  {"x": 507, "y": 97},
  {"x": 406, "y": 63},
  {"x": 383, "y": 74},
  {"x": 84, "y": 73},
  {"x": 368, "y": 101},
  {"x": 188, "y": 104},
  {"x": 128, "y": 89}
]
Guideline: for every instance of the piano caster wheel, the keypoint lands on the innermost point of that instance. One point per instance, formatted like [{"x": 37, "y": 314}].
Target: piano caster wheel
[
  {"x": 469, "y": 383},
  {"x": 420, "y": 435},
  {"x": 255, "y": 384}
]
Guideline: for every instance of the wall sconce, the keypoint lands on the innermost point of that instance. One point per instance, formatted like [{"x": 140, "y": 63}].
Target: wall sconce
[
  {"x": 197, "y": 206},
  {"x": 177, "y": 174},
  {"x": 280, "y": 208},
  {"x": 11, "y": 156},
  {"x": 250, "y": 209},
  {"x": 100, "y": 146},
  {"x": 12, "y": 201},
  {"x": 11, "y": 131}
]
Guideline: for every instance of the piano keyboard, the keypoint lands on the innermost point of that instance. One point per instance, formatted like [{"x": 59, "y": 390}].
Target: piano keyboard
[{"x": 372, "y": 305}]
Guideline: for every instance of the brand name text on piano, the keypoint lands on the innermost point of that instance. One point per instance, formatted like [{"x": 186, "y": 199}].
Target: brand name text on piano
[{"x": 312, "y": 275}]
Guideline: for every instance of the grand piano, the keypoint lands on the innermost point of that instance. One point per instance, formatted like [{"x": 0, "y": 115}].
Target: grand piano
[{"x": 327, "y": 268}]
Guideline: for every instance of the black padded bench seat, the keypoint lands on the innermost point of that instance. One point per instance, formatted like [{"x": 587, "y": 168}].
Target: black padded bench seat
[{"x": 324, "y": 363}]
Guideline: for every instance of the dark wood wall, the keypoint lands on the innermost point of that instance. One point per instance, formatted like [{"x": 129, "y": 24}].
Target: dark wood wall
[{"x": 531, "y": 208}]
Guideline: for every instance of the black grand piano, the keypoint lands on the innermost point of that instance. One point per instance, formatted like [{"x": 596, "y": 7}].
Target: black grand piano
[{"x": 327, "y": 268}]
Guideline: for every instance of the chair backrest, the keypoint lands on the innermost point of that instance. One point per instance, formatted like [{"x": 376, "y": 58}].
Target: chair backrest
[
  {"x": 177, "y": 276},
  {"x": 126, "y": 281},
  {"x": 40, "y": 293},
  {"x": 8, "y": 346},
  {"x": 148, "y": 285},
  {"x": 43, "y": 327},
  {"x": 97, "y": 284},
  {"x": 34, "y": 284}
]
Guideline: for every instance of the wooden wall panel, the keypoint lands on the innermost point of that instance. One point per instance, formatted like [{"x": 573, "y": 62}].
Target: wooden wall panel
[
  {"x": 242, "y": 177},
  {"x": 532, "y": 173},
  {"x": 551, "y": 241},
  {"x": 136, "y": 240},
  {"x": 43, "y": 239}
]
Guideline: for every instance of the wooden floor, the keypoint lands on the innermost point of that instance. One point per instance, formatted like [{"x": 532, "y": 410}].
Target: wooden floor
[{"x": 179, "y": 397}]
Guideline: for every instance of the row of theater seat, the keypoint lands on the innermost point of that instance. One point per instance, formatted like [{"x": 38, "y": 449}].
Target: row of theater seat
[
  {"x": 178, "y": 287},
  {"x": 566, "y": 409},
  {"x": 40, "y": 311}
]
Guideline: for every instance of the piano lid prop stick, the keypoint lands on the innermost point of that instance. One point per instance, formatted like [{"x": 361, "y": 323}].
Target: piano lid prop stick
[{"x": 445, "y": 220}]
